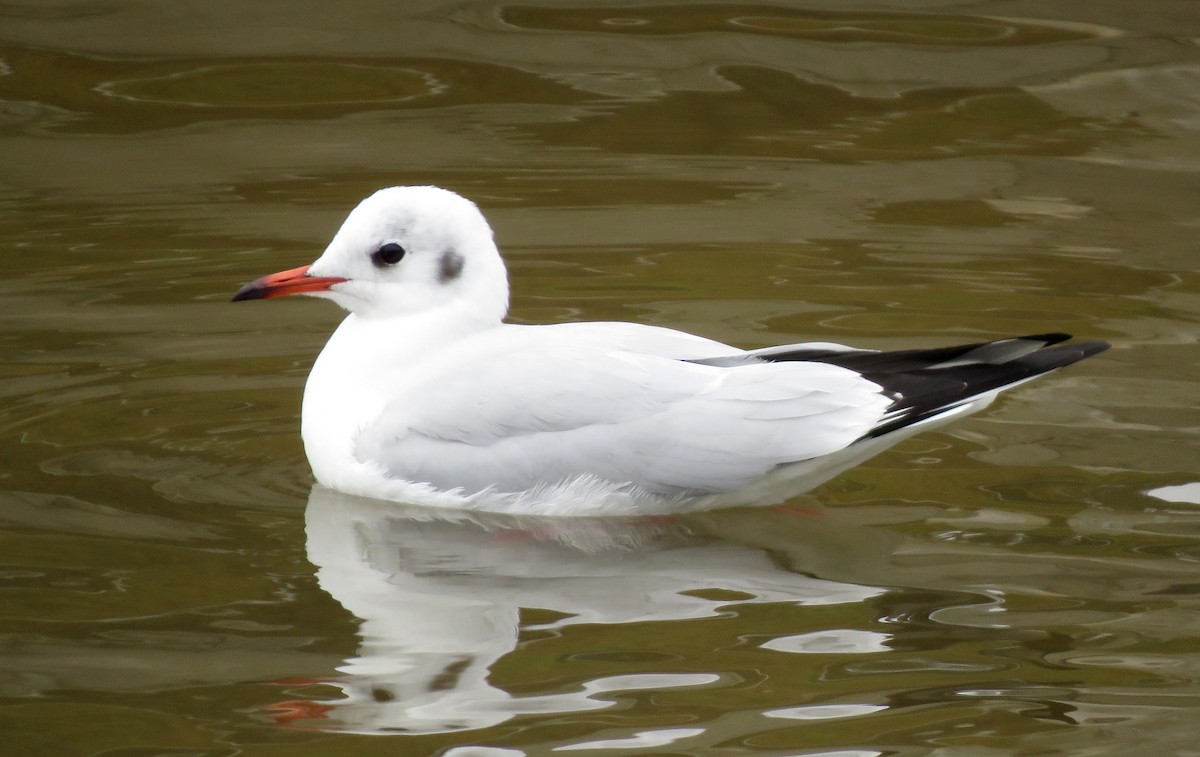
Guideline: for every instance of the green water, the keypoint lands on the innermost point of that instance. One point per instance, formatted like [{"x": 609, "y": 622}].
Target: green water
[{"x": 885, "y": 175}]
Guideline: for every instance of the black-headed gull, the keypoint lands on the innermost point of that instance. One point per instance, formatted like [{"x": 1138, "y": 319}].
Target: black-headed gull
[{"x": 424, "y": 395}]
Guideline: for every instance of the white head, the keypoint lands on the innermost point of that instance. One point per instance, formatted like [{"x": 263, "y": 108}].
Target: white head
[{"x": 403, "y": 250}]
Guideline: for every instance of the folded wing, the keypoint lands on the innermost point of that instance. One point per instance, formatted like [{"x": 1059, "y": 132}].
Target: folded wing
[
  {"x": 544, "y": 412},
  {"x": 520, "y": 419}
]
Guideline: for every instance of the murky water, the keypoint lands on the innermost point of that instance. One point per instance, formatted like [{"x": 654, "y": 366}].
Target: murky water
[{"x": 886, "y": 175}]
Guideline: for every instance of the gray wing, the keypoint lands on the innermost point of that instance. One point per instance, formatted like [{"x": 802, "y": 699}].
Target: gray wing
[{"x": 521, "y": 418}]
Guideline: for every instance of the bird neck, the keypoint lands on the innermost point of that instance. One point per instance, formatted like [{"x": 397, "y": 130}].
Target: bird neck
[{"x": 368, "y": 362}]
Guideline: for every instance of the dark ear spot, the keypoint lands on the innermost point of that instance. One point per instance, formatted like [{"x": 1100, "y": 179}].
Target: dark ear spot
[{"x": 449, "y": 267}]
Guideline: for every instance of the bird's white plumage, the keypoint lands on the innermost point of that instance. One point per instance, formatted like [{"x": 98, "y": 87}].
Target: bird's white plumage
[
  {"x": 545, "y": 404},
  {"x": 423, "y": 394}
]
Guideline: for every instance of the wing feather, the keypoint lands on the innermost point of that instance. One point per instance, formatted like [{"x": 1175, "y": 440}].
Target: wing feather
[{"x": 546, "y": 414}]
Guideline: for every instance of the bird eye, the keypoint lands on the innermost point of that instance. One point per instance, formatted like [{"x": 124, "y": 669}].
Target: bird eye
[{"x": 388, "y": 254}]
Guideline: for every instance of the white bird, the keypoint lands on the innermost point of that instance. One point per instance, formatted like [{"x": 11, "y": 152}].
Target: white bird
[{"x": 425, "y": 395}]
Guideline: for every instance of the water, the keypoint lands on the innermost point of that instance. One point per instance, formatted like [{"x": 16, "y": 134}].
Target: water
[{"x": 886, "y": 175}]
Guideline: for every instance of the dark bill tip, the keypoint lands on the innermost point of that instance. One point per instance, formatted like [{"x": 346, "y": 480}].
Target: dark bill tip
[{"x": 252, "y": 291}]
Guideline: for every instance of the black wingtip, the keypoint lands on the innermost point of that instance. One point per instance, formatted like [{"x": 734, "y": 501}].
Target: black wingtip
[
  {"x": 1050, "y": 358},
  {"x": 923, "y": 392},
  {"x": 1094, "y": 347}
]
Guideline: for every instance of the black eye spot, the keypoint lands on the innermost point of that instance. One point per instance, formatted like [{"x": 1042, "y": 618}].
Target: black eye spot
[
  {"x": 449, "y": 266},
  {"x": 388, "y": 254}
]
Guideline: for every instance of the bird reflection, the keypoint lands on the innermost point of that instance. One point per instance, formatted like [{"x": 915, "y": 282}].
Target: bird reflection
[{"x": 440, "y": 596}]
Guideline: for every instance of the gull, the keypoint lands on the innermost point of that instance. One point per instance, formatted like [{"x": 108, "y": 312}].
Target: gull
[{"x": 425, "y": 395}]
